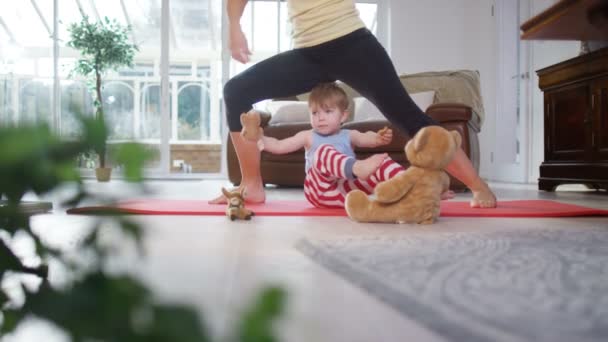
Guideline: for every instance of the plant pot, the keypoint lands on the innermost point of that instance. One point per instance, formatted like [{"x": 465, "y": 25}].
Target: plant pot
[{"x": 103, "y": 174}]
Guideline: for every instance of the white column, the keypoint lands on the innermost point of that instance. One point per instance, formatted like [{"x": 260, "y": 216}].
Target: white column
[
  {"x": 56, "y": 97},
  {"x": 137, "y": 109},
  {"x": 164, "y": 89}
]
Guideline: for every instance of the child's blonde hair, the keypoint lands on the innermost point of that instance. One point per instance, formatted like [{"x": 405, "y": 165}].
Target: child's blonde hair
[{"x": 328, "y": 95}]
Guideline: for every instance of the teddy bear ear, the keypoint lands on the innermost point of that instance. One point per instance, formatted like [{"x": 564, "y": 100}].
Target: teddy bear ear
[
  {"x": 420, "y": 140},
  {"x": 457, "y": 137}
]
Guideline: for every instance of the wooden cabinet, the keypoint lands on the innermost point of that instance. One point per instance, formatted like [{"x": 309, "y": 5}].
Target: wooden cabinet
[{"x": 576, "y": 122}]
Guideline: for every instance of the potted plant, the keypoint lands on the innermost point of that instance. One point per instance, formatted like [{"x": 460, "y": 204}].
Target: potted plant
[{"x": 103, "y": 46}]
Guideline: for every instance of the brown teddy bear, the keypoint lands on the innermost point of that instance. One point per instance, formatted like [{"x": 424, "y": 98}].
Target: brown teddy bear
[{"x": 414, "y": 195}]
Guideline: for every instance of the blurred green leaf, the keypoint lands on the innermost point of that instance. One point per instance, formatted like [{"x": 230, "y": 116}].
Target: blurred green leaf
[
  {"x": 256, "y": 325},
  {"x": 97, "y": 306},
  {"x": 133, "y": 157},
  {"x": 174, "y": 323}
]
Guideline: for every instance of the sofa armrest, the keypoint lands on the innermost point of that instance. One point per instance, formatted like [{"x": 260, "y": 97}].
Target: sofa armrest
[{"x": 446, "y": 112}]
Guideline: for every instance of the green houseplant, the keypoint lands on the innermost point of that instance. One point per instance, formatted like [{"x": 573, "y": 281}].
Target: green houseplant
[
  {"x": 103, "y": 46},
  {"x": 92, "y": 302}
]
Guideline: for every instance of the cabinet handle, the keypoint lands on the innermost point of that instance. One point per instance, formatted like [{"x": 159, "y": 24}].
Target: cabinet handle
[{"x": 592, "y": 101}]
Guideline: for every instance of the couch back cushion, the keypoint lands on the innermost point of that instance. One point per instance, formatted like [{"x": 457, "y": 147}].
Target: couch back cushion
[
  {"x": 459, "y": 86},
  {"x": 350, "y": 92},
  {"x": 367, "y": 111},
  {"x": 287, "y": 112}
]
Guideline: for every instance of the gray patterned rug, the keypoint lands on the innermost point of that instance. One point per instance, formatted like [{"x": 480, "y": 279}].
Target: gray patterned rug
[{"x": 543, "y": 285}]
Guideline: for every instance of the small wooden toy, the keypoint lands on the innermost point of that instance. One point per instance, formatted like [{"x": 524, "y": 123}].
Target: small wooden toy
[{"x": 236, "y": 205}]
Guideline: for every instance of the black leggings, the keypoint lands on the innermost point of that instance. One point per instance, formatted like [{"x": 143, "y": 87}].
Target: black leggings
[{"x": 356, "y": 59}]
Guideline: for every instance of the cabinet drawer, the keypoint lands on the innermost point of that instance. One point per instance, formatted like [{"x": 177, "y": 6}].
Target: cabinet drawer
[
  {"x": 567, "y": 123},
  {"x": 600, "y": 119}
]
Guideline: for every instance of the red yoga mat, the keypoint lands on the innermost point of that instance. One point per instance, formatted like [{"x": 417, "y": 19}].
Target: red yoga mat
[{"x": 523, "y": 208}]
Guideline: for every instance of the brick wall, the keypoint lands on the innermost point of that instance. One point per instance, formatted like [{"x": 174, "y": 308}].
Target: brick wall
[{"x": 204, "y": 158}]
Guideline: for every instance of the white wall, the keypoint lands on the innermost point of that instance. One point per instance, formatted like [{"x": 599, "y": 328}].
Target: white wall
[{"x": 435, "y": 35}]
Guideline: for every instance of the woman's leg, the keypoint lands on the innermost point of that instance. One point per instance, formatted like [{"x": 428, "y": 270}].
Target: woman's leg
[
  {"x": 286, "y": 74},
  {"x": 365, "y": 66},
  {"x": 461, "y": 168}
]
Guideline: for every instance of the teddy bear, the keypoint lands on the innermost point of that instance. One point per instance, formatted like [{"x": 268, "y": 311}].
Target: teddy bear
[{"x": 412, "y": 196}]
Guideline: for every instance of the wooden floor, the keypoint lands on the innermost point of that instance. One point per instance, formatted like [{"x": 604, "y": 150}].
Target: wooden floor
[{"x": 217, "y": 265}]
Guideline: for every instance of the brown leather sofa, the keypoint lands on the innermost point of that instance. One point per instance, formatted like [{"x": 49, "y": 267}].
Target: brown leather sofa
[
  {"x": 456, "y": 105},
  {"x": 288, "y": 169}
]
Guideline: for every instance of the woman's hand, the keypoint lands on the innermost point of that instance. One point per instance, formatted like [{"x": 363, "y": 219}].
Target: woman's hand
[{"x": 239, "y": 48}]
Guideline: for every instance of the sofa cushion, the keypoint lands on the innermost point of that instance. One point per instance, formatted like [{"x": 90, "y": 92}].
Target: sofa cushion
[
  {"x": 454, "y": 86},
  {"x": 365, "y": 110},
  {"x": 288, "y": 112},
  {"x": 350, "y": 93}
]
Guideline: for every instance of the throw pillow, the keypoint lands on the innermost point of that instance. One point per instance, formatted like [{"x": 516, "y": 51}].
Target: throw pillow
[
  {"x": 365, "y": 110},
  {"x": 288, "y": 111}
]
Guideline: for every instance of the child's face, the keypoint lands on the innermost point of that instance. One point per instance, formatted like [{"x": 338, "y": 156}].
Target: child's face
[{"x": 327, "y": 120}]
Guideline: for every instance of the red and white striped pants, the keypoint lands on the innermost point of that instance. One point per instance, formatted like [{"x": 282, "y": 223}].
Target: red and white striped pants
[{"x": 326, "y": 185}]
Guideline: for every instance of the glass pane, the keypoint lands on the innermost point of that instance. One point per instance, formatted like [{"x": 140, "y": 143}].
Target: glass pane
[
  {"x": 6, "y": 99},
  {"x": 144, "y": 17},
  {"x": 131, "y": 96},
  {"x": 75, "y": 100},
  {"x": 123, "y": 89},
  {"x": 285, "y": 29},
  {"x": 25, "y": 25},
  {"x": 369, "y": 15},
  {"x": 193, "y": 111},
  {"x": 149, "y": 128},
  {"x": 35, "y": 100},
  {"x": 195, "y": 24},
  {"x": 265, "y": 27},
  {"x": 68, "y": 13},
  {"x": 25, "y": 63},
  {"x": 118, "y": 109},
  {"x": 111, "y": 9},
  {"x": 195, "y": 39}
]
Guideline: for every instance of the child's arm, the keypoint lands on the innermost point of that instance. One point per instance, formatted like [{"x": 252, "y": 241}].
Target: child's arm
[
  {"x": 287, "y": 145},
  {"x": 371, "y": 139}
]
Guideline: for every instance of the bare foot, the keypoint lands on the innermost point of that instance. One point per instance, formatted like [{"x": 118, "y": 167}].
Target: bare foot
[
  {"x": 366, "y": 167},
  {"x": 447, "y": 195},
  {"x": 253, "y": 194},
  {"x": 483, "y": 197}
]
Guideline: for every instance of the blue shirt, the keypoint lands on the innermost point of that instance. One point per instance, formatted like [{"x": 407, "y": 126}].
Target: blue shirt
[{"x": 340, "y": 141}]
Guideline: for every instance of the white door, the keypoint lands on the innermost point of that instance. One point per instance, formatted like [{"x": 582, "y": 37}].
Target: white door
[{"x": 510, "y": 158}]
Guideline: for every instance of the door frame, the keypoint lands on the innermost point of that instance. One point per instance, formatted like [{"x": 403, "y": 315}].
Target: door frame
[{"x": 516, "y": 171}]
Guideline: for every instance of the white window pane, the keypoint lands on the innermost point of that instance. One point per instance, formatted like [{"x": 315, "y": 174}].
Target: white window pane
[
  {"x": 369, "y": 15},
  {"x": 27, "y": 27},
  {"x": 265, "y": 28},
  {"x": 118, "y": 109},
  {"x": 111, "y": 9},
  {"x": 35, "y": 100}
]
